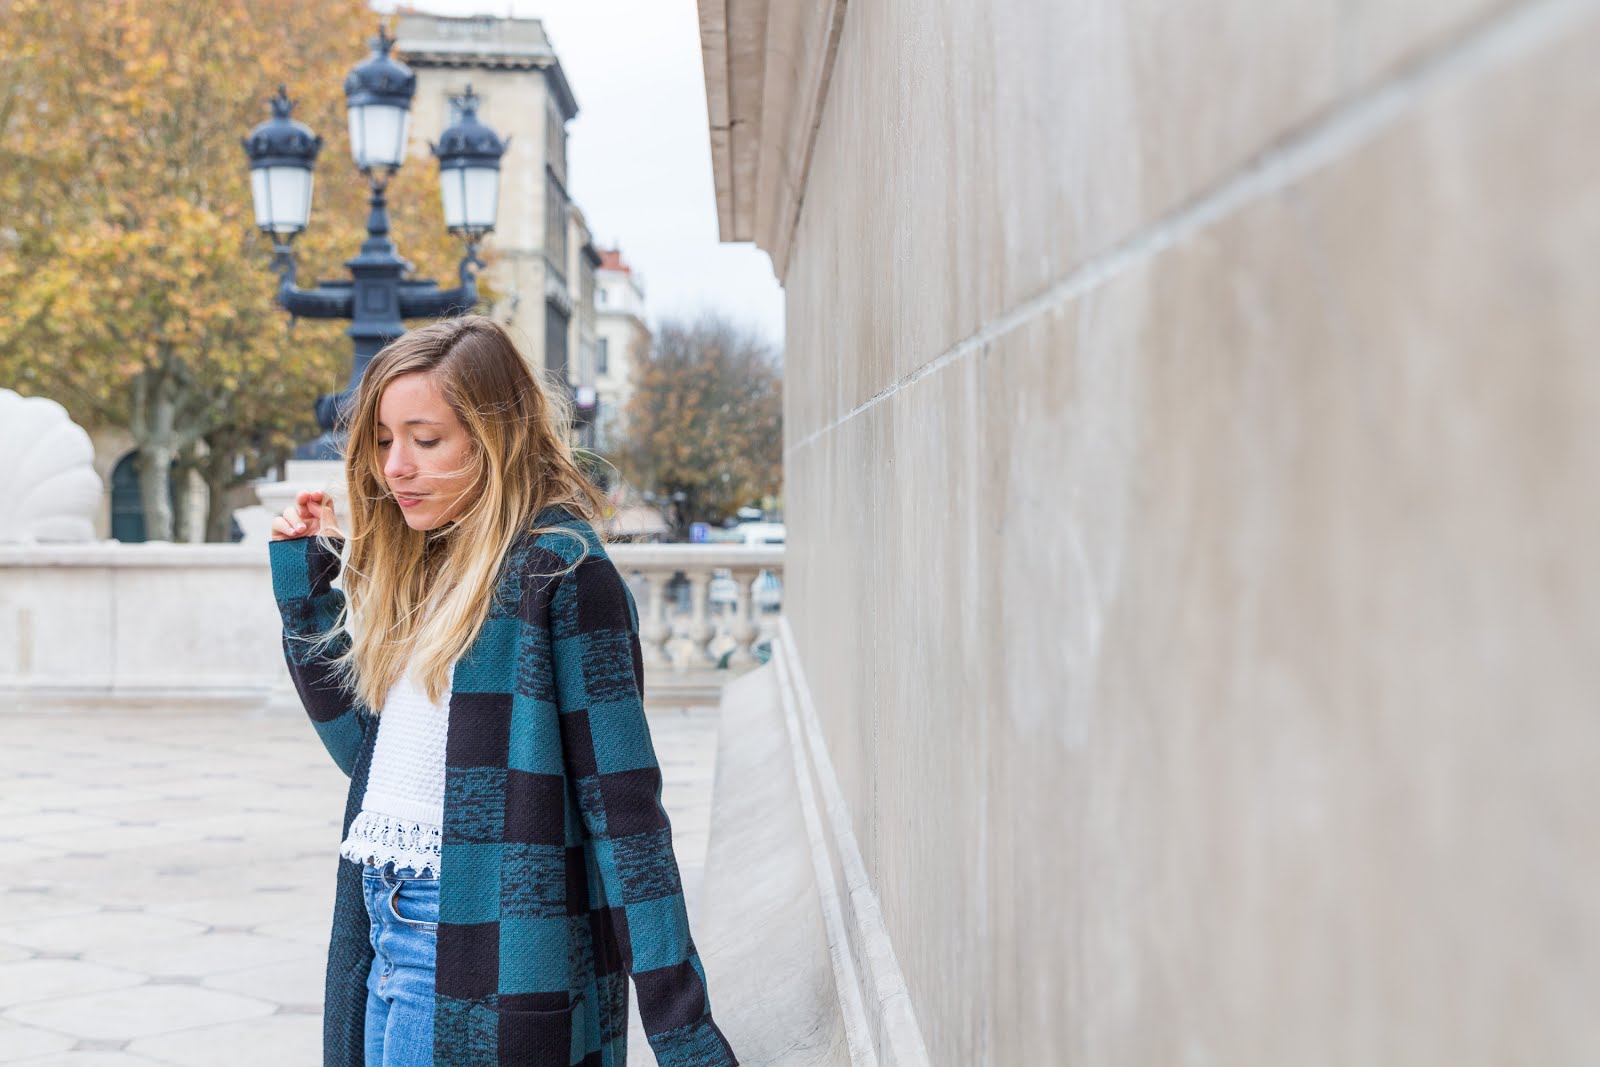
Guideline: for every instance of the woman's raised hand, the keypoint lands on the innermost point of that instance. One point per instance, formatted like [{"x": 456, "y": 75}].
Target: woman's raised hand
[{"x": 310, "y": 514}]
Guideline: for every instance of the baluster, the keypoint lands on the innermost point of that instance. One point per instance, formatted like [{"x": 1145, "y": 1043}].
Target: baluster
[
  {"x": 655, "y": 631},
  {"x": 700, "y": 628},
  {"x": 744, "y": 629}
]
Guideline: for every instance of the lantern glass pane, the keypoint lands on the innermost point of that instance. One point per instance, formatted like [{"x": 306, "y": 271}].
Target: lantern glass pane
[
  {"x": 358, "y": 135},
  {"x": 482, "y": 196},
  {"x": 282, "y": 197},
  {"x": 453, "y": 193},
  {"x": 291, "y": 197},
  {"x": 378, "y": 135},
  {"x": 305, "y": 212},
  {"x": 261, "y": 193}
]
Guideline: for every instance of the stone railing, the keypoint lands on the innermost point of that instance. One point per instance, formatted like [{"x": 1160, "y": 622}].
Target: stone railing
[
  {"x": 705, "y": 612},
  {"x": 165, "y": 625},
  {"x": 176, "y": 624}
]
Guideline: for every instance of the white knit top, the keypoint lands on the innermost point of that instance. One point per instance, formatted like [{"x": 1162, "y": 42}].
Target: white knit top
[{"x": 403, "y": 807}]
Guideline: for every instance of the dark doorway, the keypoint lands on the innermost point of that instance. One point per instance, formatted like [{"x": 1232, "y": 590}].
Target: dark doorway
[{"x": 127, "y": 511}]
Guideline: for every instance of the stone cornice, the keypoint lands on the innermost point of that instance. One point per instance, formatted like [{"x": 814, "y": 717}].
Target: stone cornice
[
  {"x": 768, "y": 65},
  {"x": 484, "y": 42}
]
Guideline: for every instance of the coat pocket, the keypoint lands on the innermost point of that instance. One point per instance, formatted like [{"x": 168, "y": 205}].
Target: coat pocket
[{"x": 534, "y": 1034}]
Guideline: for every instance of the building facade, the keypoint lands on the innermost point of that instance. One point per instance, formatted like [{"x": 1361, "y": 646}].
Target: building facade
[
  {"x": 623, "y": 338},
  {"x": 537, "y": 245},
  {"x": 582, "y": 261}
]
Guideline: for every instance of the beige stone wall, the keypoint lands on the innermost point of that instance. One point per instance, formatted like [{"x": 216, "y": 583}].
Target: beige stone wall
[{"x": 1191, "y": 463}]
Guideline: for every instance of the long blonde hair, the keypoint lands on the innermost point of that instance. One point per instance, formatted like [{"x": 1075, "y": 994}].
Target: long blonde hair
[{"x": 397, "y": 578}]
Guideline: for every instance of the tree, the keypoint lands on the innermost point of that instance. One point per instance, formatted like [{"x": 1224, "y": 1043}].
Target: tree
[
  {"x": 706, "y": 420},
  {"x": 137, "y": 288}
]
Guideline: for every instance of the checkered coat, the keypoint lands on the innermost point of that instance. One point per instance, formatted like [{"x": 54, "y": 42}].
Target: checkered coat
[{"x": 558, "y": 878}]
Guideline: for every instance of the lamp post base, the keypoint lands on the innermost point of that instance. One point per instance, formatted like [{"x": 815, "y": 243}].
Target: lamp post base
[{"x": 328, "y": 447}]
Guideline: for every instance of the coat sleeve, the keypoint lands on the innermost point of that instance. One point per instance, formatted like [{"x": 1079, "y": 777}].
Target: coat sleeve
[
  {"x": 599, "y": 683},
  {"x": 303, "y": 570}
]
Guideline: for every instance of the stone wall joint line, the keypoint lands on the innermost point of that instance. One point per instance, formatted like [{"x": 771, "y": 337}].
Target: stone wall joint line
[{"x": 1340, "y": 131}]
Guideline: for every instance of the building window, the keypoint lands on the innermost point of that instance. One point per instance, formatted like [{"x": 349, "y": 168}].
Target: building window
[
  {"x": 555, "y": 341},
  {"x": 555, "y": 219},
  {"x": 556, "y": 141},
  {"x": 600, "y": 355}
]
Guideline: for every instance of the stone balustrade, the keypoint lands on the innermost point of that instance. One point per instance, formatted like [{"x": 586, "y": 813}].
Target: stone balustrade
[
  {"x": 180, "y": 624},
  {"x": 717, "y": 620}
]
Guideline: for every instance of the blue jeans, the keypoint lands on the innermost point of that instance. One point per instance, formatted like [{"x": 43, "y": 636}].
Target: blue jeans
[{"x": 404, "y": 912}]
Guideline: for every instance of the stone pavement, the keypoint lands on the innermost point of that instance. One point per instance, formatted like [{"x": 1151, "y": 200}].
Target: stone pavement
[{"x": 167, "y": 878}]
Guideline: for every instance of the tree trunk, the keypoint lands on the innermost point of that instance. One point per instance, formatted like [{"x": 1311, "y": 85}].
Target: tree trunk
[
  {"x": 183, "y": 491},
  {"x": 155, "y": 489},
  {"x": 682, "y": 514},
  {"x": 164, "y": 433},
  {"x": 217, "y": 470},
  {"x": 182, "y": 504}
]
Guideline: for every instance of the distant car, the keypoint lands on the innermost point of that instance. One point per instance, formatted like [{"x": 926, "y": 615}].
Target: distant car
[{"x": 762, "y": 533}]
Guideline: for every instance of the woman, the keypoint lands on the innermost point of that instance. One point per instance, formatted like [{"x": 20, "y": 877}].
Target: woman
[{"x": 507, "y": 862}]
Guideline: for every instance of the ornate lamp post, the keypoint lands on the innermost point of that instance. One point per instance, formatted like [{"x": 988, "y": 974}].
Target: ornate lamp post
[{"x": 378, "y": 295}]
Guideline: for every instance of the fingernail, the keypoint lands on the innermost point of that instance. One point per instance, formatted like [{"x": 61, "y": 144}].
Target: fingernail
[{"x": 302, "y": 526}]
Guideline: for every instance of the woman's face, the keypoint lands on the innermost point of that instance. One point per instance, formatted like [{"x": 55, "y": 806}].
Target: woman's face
[{"x": 423, "y": 449}]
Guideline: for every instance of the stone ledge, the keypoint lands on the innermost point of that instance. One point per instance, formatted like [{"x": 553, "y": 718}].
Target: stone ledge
[
  {"x": 761, "y": 933},
  {"x": 794, "y": 939},
  {"x": 124, "y": 556}
]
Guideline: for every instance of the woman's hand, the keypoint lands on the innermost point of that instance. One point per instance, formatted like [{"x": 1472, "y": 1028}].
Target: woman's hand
[{"x": 310, "y": 514}]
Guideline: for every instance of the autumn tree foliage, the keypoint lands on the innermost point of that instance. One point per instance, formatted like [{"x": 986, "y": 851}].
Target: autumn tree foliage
[
  {"x": 706, "y": 420},
  {"x": 136, "y": 288}
]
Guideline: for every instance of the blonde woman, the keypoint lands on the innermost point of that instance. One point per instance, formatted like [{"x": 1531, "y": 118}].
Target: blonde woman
[{"x": 506, "y": 864}]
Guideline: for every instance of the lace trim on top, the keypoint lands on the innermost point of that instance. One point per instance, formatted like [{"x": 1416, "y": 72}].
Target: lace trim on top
[{"x": 377, "y": 839}]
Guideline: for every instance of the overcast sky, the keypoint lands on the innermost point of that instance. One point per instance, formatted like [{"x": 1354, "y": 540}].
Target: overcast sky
[{"x": 639, "y": 153}]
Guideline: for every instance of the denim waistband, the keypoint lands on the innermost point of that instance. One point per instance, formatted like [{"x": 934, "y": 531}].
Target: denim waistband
[{"x": 389, "y": 873}]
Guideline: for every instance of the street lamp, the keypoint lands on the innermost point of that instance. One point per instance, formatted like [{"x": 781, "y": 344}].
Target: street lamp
[
  {"x": 469, "y": 171},
  {"x": 377, "y": 97},
  {"x": 378, "y": 295},
  {"x": 282, "y": 153}
]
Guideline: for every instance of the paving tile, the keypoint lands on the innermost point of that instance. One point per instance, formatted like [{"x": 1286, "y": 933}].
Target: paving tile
[
  {"x": 212, "y": 892},
  {"x": 43, "y": 979},
  {"x": 113, "y": 838},
  {"x": 50, "y": 823},
  {"x": 19, "y": 1042},
  {"x": 16, "y": 906},
  {"x": 293, "y": 982},
  {"x": 247, "y": 909},
  {"x": 91, "y": 1058},
  {"x": 99, "y": 930},
  {"x": 28, "y": 852},
  {"x": 139, "y": 1011},
  {"x": 276, "y": 1041},
  {"x": 305, "y": 931},
  {"x": 74, "y": 796},
  {"x": 198, "y": 955}
]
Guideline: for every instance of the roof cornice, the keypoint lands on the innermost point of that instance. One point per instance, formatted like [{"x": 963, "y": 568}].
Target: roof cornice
[{"x": 768, "y": 64}]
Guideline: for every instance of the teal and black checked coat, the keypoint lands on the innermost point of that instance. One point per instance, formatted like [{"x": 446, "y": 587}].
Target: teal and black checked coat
[{"x": 558, "y": 878}]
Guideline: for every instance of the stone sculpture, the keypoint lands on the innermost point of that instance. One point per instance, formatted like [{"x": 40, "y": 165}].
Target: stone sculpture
[{"x": 49, "y": 490}]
